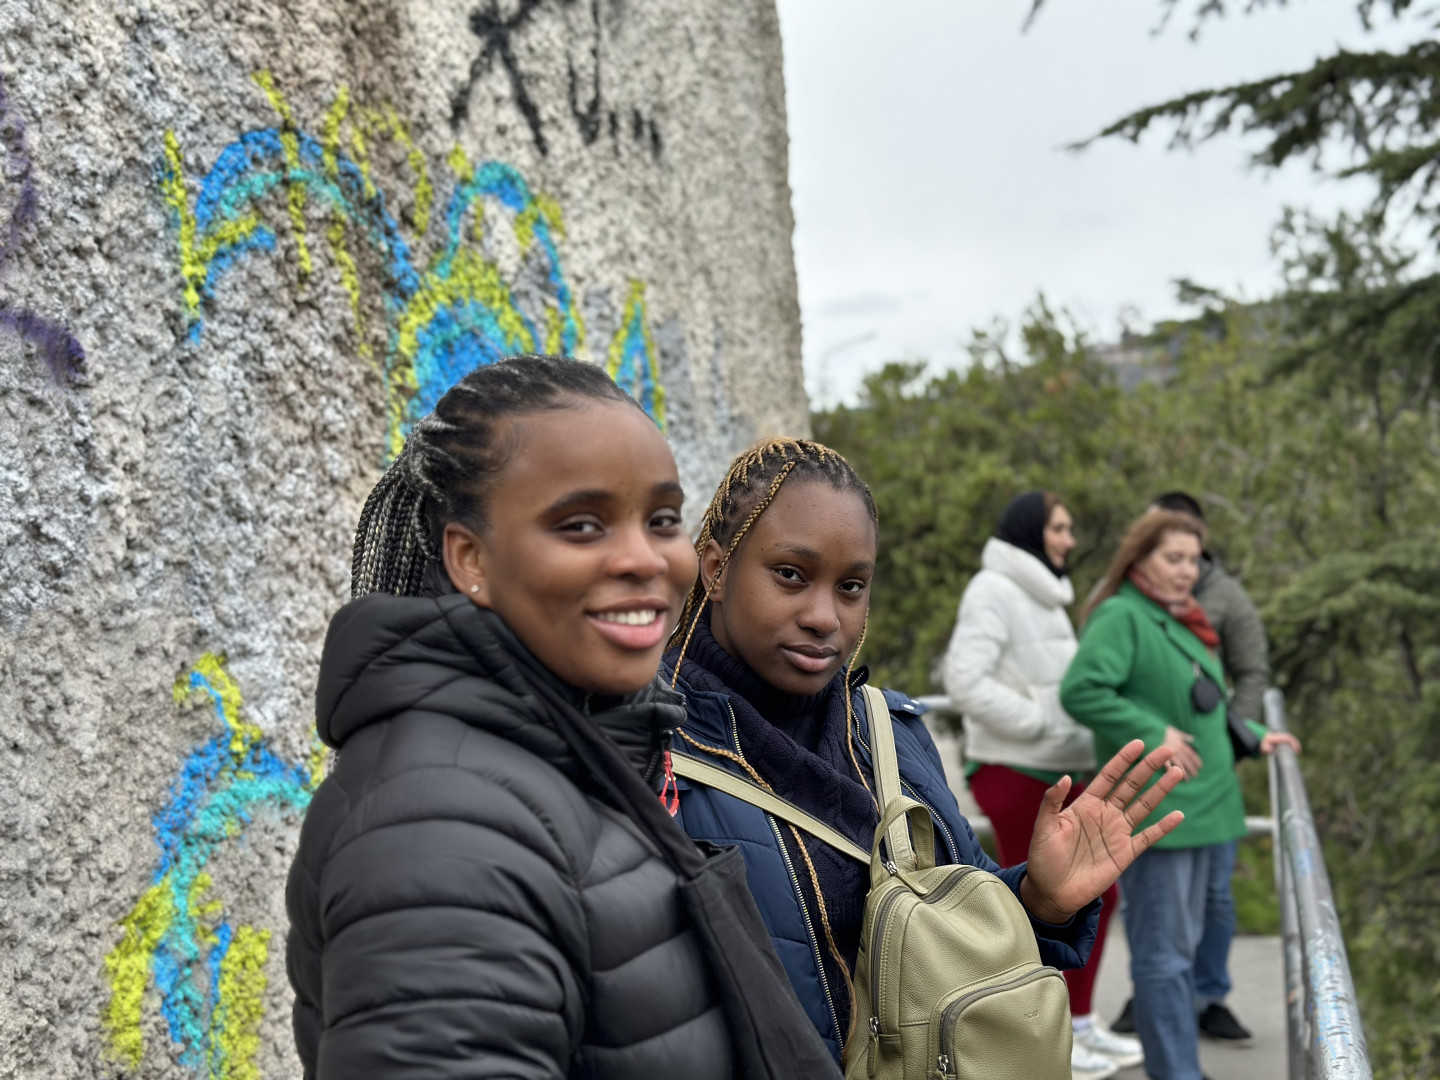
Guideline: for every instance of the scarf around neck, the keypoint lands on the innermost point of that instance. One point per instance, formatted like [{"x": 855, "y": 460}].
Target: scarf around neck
[
  {"x": 1187, "y": 613},
  {"x": 800, "y": 746}
]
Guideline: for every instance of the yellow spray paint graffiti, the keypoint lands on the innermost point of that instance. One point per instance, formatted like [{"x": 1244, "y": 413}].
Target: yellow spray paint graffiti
[
  {"x": 209, "y": 971},
  {"x": 443, "y": 315}
]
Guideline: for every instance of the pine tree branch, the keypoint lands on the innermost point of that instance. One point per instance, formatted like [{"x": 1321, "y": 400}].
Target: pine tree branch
[{"x": 1380, "y": 107}]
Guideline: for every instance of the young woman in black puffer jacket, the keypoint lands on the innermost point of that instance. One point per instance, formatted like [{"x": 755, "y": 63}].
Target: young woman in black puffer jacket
[{"x": 470, "y": 898}]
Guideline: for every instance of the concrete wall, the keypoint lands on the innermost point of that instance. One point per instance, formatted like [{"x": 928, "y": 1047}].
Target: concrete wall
[{"x": 237, "y": 241}]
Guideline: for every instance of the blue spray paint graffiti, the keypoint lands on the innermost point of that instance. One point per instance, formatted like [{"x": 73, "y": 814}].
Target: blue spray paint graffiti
[{"x": 208, "y": 970}]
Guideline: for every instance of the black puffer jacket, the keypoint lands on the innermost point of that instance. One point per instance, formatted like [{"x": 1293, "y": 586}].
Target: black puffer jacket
[{"x": 462, "y": 904}]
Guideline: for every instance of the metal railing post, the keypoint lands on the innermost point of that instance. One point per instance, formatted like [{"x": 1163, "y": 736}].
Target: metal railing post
[
  {"x": 1289, "y": 918},
  {"x": 1327, "y": 1041}
]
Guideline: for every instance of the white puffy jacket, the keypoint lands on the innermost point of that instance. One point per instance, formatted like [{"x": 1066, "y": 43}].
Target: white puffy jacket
[{"x": 1012, "y": 643}]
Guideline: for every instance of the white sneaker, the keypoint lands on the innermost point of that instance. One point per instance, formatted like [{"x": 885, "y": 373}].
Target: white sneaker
[
  {"x": 1088, "y": 1065},
  {"x": 1121, "y": 1049}
]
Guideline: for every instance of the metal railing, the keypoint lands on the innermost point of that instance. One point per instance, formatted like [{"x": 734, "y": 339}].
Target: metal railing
[
  {"x": 1326, "y": 1041},
  {"x": 1322, "y": 1015}
]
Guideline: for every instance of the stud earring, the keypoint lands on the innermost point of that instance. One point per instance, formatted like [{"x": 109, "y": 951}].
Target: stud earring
[{"x": 474, "y": 588}]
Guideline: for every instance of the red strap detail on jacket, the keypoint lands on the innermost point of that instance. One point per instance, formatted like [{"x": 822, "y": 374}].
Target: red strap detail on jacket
[{"x": 670, "y": 790}]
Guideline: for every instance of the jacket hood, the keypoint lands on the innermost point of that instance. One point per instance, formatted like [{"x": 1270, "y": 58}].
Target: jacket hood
[
  {"x": 1210, "y": 572},
  {"x": 386, "y": 655},
  {"x": 1032, "y": 575}
]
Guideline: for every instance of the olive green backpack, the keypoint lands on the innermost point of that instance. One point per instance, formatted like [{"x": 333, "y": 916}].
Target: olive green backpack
[{"x": 948, "y": 984}]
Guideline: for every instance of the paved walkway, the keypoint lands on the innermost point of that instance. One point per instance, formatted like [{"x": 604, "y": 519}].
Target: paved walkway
[{"x": 1258, "y": 1000}]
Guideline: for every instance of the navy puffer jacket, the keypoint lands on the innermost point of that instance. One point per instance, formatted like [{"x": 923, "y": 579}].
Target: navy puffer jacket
[
  {"x": 462, "y": 905},
  {"x": 707, "y": 814}
]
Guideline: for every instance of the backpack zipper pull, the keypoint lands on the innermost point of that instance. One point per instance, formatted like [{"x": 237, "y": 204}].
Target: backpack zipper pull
[
  {"x": 873, "y": 1058},
  {"x": 943, "y": 1064}
]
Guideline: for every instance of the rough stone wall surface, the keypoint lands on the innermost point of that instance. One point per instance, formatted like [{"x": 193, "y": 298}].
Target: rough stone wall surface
[{"x": 243, "y": 244}]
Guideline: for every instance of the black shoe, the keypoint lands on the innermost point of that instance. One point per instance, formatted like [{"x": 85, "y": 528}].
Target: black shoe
[
  {"x": 1219, "y": 1023},
  {"x": 1125, "y": 1022}
]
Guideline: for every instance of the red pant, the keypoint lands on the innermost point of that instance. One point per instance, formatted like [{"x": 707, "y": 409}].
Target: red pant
[{"x": 1012, "y": 802}]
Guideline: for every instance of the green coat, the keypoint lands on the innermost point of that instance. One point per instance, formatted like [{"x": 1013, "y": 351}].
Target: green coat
[{"x": 1130, "y": 678}]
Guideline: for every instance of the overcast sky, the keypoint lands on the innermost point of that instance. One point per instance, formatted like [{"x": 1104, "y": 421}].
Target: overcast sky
[{"x": 932, "y": 193}]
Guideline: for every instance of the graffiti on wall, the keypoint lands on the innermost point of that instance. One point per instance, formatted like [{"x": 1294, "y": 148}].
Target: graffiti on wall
[
  {"x": 461, "y": 267},
  {"x": 55, "y": 343},
  {"x": 588, "y": 119},
  {"x": 442, "y": 316},
  {"x": 497, "y": 34},
  {"x": 495, "y": 31},
  {"x": 207, "y": 970}
]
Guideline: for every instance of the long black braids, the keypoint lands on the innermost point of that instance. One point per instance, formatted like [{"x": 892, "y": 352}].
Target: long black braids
[
  {"x": 748, "y": 489},
  {"x": 452, "y": 456}
]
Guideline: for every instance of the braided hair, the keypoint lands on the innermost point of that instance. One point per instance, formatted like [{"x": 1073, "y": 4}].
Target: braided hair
[
  {"x": 451, "y": 459},
  {"x": 746, "y": 492}
]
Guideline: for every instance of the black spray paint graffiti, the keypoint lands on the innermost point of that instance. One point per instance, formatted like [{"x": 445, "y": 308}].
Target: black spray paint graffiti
[
  {"x": 587, "y": 120},
  {"x": 57, "y": 345},
  {"x": 496, "y": 32}
]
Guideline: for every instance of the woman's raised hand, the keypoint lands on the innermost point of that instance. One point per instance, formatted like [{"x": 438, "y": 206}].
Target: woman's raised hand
[{"x": 1078, "y": 852}]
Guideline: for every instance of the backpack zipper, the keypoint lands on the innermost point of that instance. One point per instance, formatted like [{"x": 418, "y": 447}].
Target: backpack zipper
[
  {"x": 947, "y": 1018},
  {"x": 944, "y": 889},
  {"x": 800, "y": 896}
]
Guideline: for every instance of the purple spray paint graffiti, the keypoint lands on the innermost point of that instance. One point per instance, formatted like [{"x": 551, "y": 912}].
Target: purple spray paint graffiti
[{"x": 55, "y": 343}]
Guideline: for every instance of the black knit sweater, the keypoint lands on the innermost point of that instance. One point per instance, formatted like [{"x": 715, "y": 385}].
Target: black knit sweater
[{"x": 799, "y": 745}]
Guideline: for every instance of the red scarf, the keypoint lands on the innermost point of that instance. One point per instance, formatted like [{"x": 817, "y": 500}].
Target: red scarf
[{"x": 1188, "y": 613}]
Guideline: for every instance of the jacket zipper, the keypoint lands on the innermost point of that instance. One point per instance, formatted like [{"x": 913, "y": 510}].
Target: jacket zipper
[
  {"x": 799, "y": 895},
  {"x": 947, "y": 1018},
  {"x": 667, "y": 735},
  {"x": 905, "y": 785},
  {"x": 944, "y": 829}
]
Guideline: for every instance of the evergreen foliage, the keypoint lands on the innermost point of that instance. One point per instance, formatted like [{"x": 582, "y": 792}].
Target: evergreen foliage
[
  {"x": 1313, "y": 423},
  {"x": 1313, "y": 442}
]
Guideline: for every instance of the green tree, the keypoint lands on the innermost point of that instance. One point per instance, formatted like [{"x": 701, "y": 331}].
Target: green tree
[{"x": 1351, "y": 578}]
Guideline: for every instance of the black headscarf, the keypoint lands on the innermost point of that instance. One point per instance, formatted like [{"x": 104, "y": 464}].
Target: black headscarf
[{"x": 1023, "y": 525}]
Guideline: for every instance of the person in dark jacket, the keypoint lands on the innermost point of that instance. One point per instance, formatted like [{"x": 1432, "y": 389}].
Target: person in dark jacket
[
  {"x": 765, "y": 654},
  {"x": 467, "y": 901}
]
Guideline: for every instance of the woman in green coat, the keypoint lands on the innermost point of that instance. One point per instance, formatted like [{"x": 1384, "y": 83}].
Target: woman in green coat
[{"x": 1146, "y": 668}]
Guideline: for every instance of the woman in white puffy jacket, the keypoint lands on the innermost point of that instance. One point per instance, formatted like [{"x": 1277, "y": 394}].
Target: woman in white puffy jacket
[{"x": 1012, "y": 643}]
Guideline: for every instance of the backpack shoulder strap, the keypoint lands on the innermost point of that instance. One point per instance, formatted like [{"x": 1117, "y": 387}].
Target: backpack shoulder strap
[
  {"x": 702, "y": 772},
  {"x": 882, "y": 746},
  {"x": 887, "y": 774}
]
